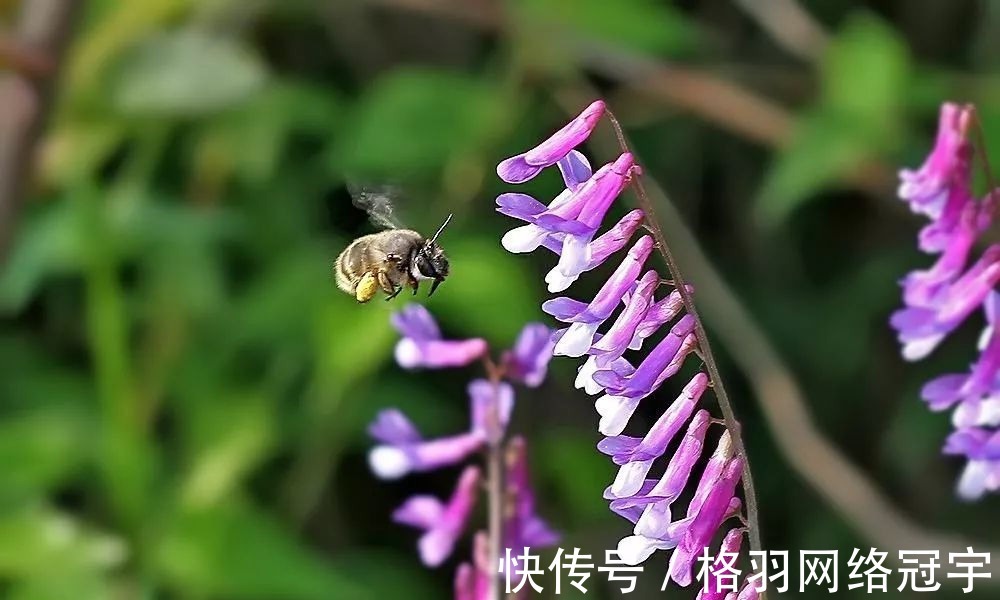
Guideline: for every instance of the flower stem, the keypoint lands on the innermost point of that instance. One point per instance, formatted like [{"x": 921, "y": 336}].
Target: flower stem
[
  {"x": 705, "y": 349},
  {"x": 494, "y": 480}
]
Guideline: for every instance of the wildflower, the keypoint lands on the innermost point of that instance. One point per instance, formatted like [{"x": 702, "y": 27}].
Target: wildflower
[
  {"x": 528, "y": 361},
  {"x": 525, "y": 166},
  {"x": 730, "y": 545},
  {"x": 522, "y": 528},
  {"x": 926, "y": 189},
  {"x": 938, "y": 300},
  {"x": 423, "y": 346},
  {"x": 586, "y": 318},
  {"x": 982, "y": 449},
  {"x": 402, "y": 450},
  {"x": 442, "y": 523},
  {"x": 569, "y": 227}
]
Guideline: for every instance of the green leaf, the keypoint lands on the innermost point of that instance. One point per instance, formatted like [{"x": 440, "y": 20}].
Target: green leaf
[
  {"x": 237, "y": 551},
  {"x": 48, "y": 243},
  {"x": 186, "y": 73},
  {"x": 39, "y": 448},
  {"x": 230, "y": 437},
  {"x": 857, "y": 117},
  {"x": 645, "y": 25},
  {"x": 35, "y": 540},
  {"x": 414, "y": 121}
]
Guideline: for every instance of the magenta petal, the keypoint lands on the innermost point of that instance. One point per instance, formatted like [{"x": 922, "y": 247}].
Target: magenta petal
[
  {"x": 564, "y": 309},
  {"x": 943, "y": 392},
  {"x": 705, "y": 524},
  {"x": 411, "y": 354},
  {"x": 575, "y": 169},
  {"x": 519, "y": 206},
  {"x": 422, "y": 512},
  {"x": 415, "y": 321},
  {"x": 391, "y": 426},
  {"x": 615, "y": 238},
  {"x": 566, "y": 139},
  {"x": 528, "y": 361},
  {"x": 669, "y": 424},
  {"x": 517, "y": 170},
  {"x": 491, "y": 407},
  {"x": 436, "y": 545}
]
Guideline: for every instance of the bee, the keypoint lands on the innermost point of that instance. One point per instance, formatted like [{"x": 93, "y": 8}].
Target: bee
[{"x": 390, "y": 258}]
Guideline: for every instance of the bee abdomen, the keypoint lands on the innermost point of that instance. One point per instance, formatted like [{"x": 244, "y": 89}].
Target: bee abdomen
[{"x": 346, "y": 277}]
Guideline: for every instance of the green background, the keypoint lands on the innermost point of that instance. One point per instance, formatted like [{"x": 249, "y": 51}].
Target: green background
[{"x": 184, "y": 391}]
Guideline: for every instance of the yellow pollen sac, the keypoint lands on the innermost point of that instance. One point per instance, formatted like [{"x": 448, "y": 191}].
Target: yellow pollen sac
[{"x": 366, "y": 288}]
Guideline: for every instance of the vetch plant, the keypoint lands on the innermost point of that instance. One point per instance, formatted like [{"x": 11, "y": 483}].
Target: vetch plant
[
  {"x": 513, "y": 522},
  {"x": 939, "y": 299},
  {"x": 612, "y": 370}
]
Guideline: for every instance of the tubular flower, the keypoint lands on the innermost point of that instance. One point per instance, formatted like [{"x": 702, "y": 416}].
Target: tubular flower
[
  {"x": 628, "y": 302},
  {"x": 521, "y": 168},
  {"x": 422, "y": 345},
  {"x": 937, "y": 300},
  {"x": 402, "y": 450},
  {"x": 442, "y": 523}
]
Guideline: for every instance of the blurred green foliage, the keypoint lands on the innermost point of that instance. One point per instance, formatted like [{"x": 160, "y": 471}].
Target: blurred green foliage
[{"x": 184, "y": 392}]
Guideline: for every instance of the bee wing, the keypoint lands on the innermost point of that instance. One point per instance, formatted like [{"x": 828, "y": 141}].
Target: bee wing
[{"x": 379, "y": 202}]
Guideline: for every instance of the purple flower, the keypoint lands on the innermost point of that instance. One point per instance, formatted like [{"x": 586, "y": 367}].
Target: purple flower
[
  {"x": 982, "y": 449},
  {"x": 650, "y": 506},
  {"x": 567, "y": 227},
  {"x": 710, "y": 588},
  {"x": 920, "y": 330},
  {"x": 624, "y": 392},
  {"x": 598, "y": 250},
  {"x": 636, "y": 455},
  {"x": 615, "y": 342},
  {"x": 567, "y": 205},
  {"x": 926, "y": 189},
  {"x": 422, "y": 345},
  {"x": 586, "y": 318},
  {"x": 717, "y": 504},
  {"x": 442, "y": 523},
  {"x": 491, "y": 408},
  {"x": 522, "y": 526},
  {"x": 529, "y": 360},
  {"x": 404, "y": 451},
  {"x": 523, "y": 167}
]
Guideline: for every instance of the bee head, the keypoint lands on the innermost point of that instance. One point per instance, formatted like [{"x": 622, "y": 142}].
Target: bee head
[
  {"x": 432, "y": 263},
  {"x": 431, "y": 260}
]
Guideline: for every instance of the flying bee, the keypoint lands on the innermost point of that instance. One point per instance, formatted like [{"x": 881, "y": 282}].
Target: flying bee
[{"x": 390, "y": 258}]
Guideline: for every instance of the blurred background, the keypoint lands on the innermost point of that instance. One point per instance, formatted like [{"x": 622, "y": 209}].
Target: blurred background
[{"x": 184, "y": 392}]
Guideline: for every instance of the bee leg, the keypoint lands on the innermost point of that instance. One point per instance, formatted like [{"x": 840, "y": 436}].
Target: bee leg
[
  {"x": 388, "y": 286},
  {"x": 365, "y": 290},
  {"x": 413, "y": 283}
]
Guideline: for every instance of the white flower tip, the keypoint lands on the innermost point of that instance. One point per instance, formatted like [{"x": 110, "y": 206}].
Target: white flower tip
[
  {"x": 635, "y": 549},
  {"x": 577, "y": 340},
  {"x": 973, "y": 482},
  {"x": 557, "y": 281},
  {"x": 526, "y": 238},
  {"x": 408, "y": 354},
  {"x": 654, "y": 521},
  {"x": 630, "y": 478},
  {"x": 919, "y": 349},
  {"x": 435, "y": 547},
  {"x": 615, "y": 412},
  {"x": 388, "y": 462}
]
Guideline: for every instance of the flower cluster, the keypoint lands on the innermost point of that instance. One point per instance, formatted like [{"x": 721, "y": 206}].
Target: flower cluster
[
  {"x": 569, "y": 226},
  {"x": 937, "y": 300},
  {"x": 402, "y": 450}
]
